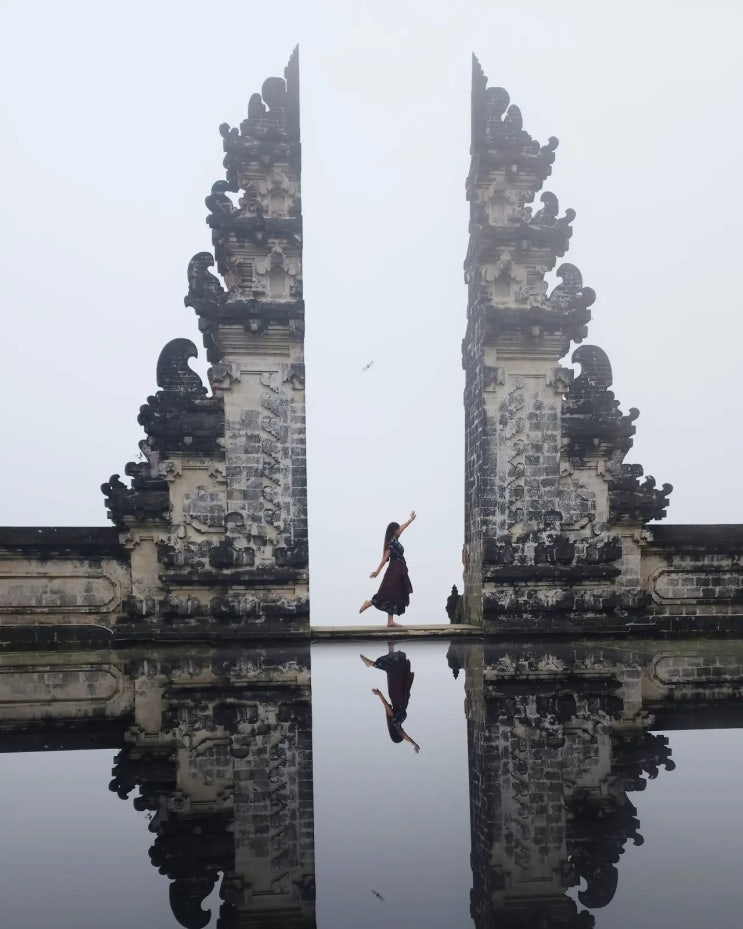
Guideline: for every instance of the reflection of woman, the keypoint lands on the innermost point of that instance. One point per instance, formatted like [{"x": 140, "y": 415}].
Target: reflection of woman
[
  {"x": 394, "y": 591},
  {"x": 399, "y": 681}
]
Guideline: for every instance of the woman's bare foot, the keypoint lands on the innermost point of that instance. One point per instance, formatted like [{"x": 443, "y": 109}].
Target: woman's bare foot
[
  {"x": 365, "y": 606},
  {"x": 367, "y": 661},
  {"x": 391, "y": 623}
]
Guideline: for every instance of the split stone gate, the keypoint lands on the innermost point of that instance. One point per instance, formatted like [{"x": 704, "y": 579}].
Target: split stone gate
[{"x": 209, "y": 533}]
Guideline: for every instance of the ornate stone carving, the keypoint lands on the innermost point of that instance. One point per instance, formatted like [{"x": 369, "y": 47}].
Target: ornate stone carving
[
  {"x": 632, "y": 501},
  {"x": 173, "y": 372},
  {"x": 570, "y": 296},
  {"x": 180, "y": 418},
  {"x": 202, "y": 284},
  {"x": 271, "y": 129},
  {"x": 218, "y": 202},
  {"x": 498, "y": 133},
  {"x": 590, "y": 414},
  {"x": 547, "y": 229},
  {"x": 547, "y": 218},
  {"x": 147, "y": 500},
  {"x": 547, "y": 485}
]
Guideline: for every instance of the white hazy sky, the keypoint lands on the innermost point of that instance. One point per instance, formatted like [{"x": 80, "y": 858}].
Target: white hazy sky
[{"x": 109, "y": 143}]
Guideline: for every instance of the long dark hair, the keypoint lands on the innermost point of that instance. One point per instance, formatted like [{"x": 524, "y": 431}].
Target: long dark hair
[
  {"x": 393, "y": 730},
  {"x": 389, "y": 533}
]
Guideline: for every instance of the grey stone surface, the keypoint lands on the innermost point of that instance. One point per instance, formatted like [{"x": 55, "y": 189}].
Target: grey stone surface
[
  {"x": 559, "y": 737},
  {"x": 558, "y": 533}
]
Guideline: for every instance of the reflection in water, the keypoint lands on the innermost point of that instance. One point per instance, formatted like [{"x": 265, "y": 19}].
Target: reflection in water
[
  {"x": 396, "y": 666},
  {"x": 217, "y": 747},
  {"x": 557, "y": 739},
  {"x": 222, "y": 757}
]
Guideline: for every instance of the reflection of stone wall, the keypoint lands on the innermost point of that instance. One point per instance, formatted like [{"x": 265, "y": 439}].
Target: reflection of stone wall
[
  {"x": 238, "y": 731},
  {"x": 558, "y": 737},
  {"x": 59, "y": 699},
  {"x": 217, "y": 746}
]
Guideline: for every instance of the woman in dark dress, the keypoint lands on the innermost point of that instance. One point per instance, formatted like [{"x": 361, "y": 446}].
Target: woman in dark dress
[
  {"x": 399, "y": 682},
  {"x": 394, "y": 592}
]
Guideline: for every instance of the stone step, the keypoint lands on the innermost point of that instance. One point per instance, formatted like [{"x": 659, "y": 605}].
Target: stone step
[{"x": 426, "y": 631}]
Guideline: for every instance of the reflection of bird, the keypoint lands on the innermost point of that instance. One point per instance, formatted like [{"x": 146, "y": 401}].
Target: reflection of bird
[
  {"x": 378, "y": 895},
  {"x": 368, "y": 365}
]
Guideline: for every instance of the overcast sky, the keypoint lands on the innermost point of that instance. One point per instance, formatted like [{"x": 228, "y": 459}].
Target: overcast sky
[{"x": 109, "y": 121}]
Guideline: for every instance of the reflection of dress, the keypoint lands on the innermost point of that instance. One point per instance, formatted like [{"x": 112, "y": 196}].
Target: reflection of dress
[
  {"x": 399, "y": 682},
  {"x": 394, "y": 591}
]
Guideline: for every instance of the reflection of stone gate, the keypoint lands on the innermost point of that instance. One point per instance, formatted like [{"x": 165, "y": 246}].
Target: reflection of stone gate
[
  {"x": 558, "y": 736},
  {"x": 217, "y": 746}
]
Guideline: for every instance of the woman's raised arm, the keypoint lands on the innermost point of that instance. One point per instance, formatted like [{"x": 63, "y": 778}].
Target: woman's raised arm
[
  {"x": 406, "y": 737},
  {"x": 405, "y": 525}
]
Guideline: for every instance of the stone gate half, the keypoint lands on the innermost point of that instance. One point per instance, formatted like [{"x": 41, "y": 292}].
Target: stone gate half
[
  {"x": 556, "y": 523},
  {"x": 210, "y": 534}
]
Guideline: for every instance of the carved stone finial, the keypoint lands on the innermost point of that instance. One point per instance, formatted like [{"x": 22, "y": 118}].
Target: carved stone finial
[
  {"x": 546, "y": 218},
  {"x": 273, "y": 115},
  {"x": 571, "y": 296},
  {"x": 180, "y": 417},
  {"x": 173, "y": 372},
  {"x": 591, "y": 415},
  {"x": 146, "y": 500},
  {"x": 497, "y": 127},
  {"x": 218, "y": 201},
  {"x": 202, "y": 284},
  {"x": 595, "y": 370},
  {"x": 633, "y": 501},
  {"x": 186, "y": 898}
]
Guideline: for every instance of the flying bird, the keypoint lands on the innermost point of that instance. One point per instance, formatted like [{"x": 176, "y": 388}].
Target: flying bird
[
  {"x": 376, "y": 894},
  {"x": 367, "y": 365}
]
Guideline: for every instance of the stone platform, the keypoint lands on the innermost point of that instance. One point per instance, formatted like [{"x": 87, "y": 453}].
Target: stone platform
[{"x": 444, "y": 631}]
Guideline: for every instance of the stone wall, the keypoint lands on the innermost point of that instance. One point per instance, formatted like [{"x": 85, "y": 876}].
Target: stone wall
[
  {"x": 61, "y": 585},
  {"x": 558, "y": 528},
  {"x": 694, "y": 577}
]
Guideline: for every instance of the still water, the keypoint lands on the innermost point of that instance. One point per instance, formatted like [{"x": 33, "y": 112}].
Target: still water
[{"x": 555, "y": 786}]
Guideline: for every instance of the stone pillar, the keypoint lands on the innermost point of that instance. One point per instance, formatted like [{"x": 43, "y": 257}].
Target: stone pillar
[
  {"x": 254, "y": 335},
  {"x": 549, "y": 536},
  {"x": 216, "y": 516}
]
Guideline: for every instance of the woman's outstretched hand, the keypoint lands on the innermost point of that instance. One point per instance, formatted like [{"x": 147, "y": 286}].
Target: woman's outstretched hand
[
  {"x": 377, "y": 691},
  {"x": 373, "y": 574},
  {"x": 412, "y": 515}
]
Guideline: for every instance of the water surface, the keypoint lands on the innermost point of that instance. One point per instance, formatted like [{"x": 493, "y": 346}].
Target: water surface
[{"x": 542, "y": 795}]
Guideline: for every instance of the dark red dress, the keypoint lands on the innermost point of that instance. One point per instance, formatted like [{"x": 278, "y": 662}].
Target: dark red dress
[
  {"x": 395, "y": 590},
  {"x": 399, "y": 682}
]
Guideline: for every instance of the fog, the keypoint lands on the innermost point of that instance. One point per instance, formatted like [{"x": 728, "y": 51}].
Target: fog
[{"x": 109, "y": 145}]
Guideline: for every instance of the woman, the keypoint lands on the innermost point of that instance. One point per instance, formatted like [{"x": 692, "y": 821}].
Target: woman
[
  {"x": 399, "y": 682},
  {"x": 394, "y": 592}
]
